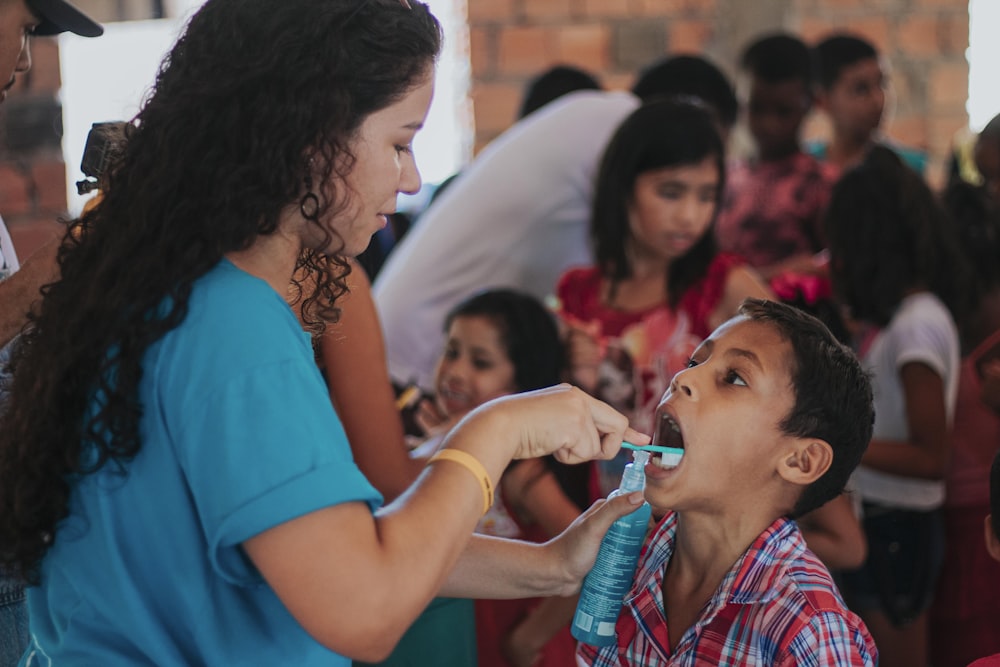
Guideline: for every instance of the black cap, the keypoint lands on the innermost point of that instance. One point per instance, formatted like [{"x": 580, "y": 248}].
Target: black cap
[{"x": 60, "y": 16}]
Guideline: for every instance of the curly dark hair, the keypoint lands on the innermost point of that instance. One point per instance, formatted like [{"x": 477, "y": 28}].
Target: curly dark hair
[
  {"x": 888, "y": 234},
  {"x": 833, "y": 395},
  {"x": 255, "y": 101},
  {"x": 672, "y": 132}
]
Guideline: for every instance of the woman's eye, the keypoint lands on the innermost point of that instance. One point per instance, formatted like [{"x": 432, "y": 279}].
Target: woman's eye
[
  {"x": 732, "y": 377},
  {"x": 482, "y": 364},
  {"x": 692, "y": 362},
  {"x": 408, "y": 148}
]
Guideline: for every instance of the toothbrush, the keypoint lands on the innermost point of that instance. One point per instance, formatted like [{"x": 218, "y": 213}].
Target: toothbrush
[{"x": 669, "y": 456}]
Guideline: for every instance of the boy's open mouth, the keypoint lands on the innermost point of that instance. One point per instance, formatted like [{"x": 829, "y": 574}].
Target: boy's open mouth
[{"x": 668, "y": 434}]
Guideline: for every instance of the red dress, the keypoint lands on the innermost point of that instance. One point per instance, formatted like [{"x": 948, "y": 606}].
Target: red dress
[{"x": 642, "y": 350}]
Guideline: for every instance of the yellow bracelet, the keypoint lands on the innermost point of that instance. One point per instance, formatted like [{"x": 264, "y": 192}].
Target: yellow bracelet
[{"x": 472, "y": 464}]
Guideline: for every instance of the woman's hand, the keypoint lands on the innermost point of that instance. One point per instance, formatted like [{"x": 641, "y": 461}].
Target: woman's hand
[
  {"x": 564, "y": 421},
  {"x": 576, "y": 547}
]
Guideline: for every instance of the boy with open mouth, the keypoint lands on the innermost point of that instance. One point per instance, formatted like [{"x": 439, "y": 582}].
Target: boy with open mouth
[{"x": 773, "y": 415}]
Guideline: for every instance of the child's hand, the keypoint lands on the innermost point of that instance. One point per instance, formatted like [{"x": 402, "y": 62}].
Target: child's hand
[
  {"x": 583, "y": 352},
  {"x": 428, "y": 416},
  {"x": 989, "y": 388}
]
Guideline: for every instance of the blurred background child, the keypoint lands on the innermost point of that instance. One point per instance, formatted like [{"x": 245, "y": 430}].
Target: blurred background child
[
  {"x": 659, "y": 285},
  {"x": 895, "y": 265},
  {"x": 991, "y": 528},
  {"x": 500, "y": 342},
  {"x": 850, "y": 90},
  {"x": 965, "y": 614},
  {"x": 774, "y": 204}
]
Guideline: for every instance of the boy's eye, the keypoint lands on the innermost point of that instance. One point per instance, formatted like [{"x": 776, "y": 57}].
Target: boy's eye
[
  {"x": 482, "y": 364},
  {"x": 732, "y": 377},
  {"x": 692, "y": 362}
]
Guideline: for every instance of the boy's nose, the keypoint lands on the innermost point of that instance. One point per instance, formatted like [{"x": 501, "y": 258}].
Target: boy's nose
[{"x": 681, "y": 383}]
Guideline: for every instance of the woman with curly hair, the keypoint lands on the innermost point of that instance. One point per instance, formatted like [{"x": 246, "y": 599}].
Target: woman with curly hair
[{"x": 173, "y": 479}]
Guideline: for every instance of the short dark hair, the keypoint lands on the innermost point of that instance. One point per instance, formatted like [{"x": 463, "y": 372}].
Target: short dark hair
[
  {"x": 552, "y": 84},
  {"x": 528, "y": 331},
  {"x": 995, "y": 494},
  {"x": 692, "y": 76},
  {"x": 664, "y": 133},
  {"x": 835, "y": 53},
  {"x": 778, "y": 57},
  {"x": 833, "y": 395}
]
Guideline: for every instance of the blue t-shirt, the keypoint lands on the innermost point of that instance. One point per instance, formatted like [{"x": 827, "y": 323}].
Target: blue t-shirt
[
  {"x": 238, "y": 436},
  {"x": 914, "y": 158}
]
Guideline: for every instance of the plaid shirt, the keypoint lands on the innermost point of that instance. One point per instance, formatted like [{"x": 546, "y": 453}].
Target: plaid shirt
[{"x": 776, "y": 606}]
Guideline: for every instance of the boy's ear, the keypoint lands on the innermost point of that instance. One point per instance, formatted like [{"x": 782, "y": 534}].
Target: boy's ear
[
  {"x": 807, "y": 462},
  {"x": 992, "y": 540}
]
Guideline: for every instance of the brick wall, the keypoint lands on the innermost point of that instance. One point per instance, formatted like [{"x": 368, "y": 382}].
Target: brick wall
[
  {"x": 923, "y": 41},
  {"x": 32, "y": 172}
]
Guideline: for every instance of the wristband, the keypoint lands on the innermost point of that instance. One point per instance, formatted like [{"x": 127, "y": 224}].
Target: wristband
[{"x": 472, "y": 464}]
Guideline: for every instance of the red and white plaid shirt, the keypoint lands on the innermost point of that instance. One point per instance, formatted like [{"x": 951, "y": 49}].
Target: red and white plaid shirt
[{"x": 776, "y": 606}]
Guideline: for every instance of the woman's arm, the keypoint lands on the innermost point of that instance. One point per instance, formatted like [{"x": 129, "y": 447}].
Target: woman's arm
[
  {"x": 353, "y": 355},
  {"x": 925, "y": 453},
  {"x": 355, "y": 581}
]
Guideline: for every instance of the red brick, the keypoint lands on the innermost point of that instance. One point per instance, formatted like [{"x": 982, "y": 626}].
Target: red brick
[
  {"x": 873, "y": 28},
  {"x": 811, "y": 28},
  {"x": 585, "y": 46},
  {"x": 618, "y": 81},
  {"x": 547, "y": 10},
  {"x": 667, "y": 7},
  {"x": 489, "y": 10},
  {"x": 524, "y": 49},
  {"x": 482, "y": 51},
  {"x": 917, "y": 35},
  {"x": 953, "y": 34},
  {"x": 44, "y": 75},
  {"x": 49, "y": 179},
  {"x": 956, "y": 4},
  {"x": 607, "y": 9},
  {"x": 948, "y": 86},
  {"x": 689, "y": 36},
  {"x": 910, "y": 130},
  {"x": 495, "y": 106},
  {"x": 942, "y": 129},
  {"x": 15, "y": 197}
]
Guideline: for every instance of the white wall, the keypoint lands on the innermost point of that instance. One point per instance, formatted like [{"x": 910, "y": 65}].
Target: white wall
[
  {"x": 983, "y": 54},
  {"x": 106, "y": 79}
]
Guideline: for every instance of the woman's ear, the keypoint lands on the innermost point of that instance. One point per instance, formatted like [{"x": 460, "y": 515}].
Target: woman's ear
[{"x": 808, "y": 461}]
